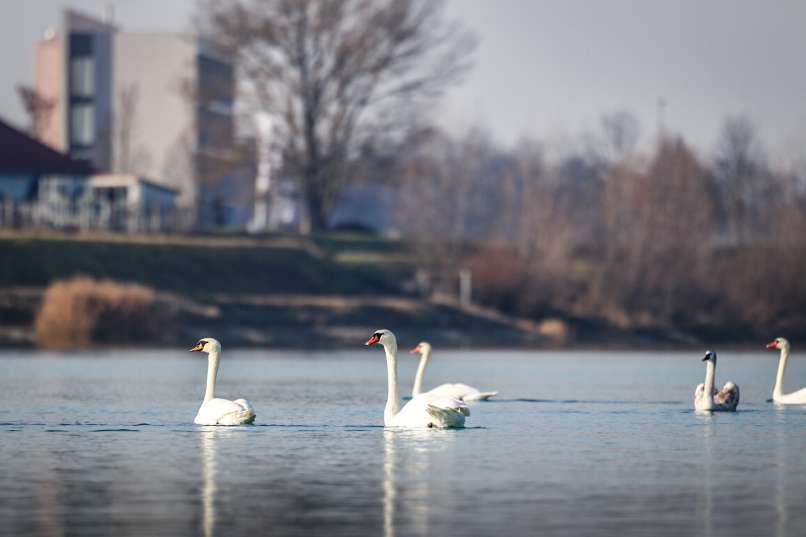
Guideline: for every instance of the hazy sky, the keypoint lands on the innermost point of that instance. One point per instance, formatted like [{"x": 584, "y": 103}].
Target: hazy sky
[{"x": 552, "y": 68}]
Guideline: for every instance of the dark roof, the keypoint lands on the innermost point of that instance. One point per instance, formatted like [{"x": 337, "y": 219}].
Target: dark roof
[
  {"x": 19, "y": 153},
  {"x": 159, "y": 186}
]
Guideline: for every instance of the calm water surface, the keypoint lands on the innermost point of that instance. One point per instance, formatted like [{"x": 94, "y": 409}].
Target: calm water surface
[{"x": 577, "y": 444}]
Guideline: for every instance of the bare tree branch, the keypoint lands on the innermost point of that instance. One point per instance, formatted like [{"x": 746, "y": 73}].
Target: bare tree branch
[
  {"x": 38, "y": 108},
  {"x": 339, "y": 74}
]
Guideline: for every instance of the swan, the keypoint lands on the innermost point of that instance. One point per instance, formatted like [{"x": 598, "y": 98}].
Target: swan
[
  {"x": 462, "y": 392},
  {"x": 421, "y": 411},
  {"x": 778, "y": 395},
  {"x": 215, "y": 411},
  {"x": 707, "y": 398}
]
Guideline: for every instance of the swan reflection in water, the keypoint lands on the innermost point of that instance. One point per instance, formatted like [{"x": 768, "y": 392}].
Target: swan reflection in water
[
  {"x": 712, "y": 458},
  {"x": 781, "y": 437},
  {"x": 408, "y": 469},
  {"x": 208, "y": 440},
  {"x": 709, "y": 434},
  {"x": 389, "y": 493}
]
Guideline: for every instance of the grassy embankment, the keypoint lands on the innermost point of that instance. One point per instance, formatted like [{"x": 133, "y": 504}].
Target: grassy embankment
[{"x": 278, "y": 291}]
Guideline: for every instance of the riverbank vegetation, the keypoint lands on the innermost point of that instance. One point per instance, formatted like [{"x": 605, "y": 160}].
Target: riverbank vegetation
[
  {"x": 81, "y": 311},
  {"x": 707, "y": 245}
]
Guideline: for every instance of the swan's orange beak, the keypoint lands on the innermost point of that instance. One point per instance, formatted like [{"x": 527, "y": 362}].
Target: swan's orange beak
[
  {"x": 772, "y": 344},
  {"x": 415, "y": 350},
  {"x": 373, "y": 340},
  {"x": 197, "y": 347}
]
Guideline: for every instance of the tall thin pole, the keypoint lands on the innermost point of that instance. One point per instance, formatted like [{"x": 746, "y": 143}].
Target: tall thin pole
[{"x": 260, "y": 215}]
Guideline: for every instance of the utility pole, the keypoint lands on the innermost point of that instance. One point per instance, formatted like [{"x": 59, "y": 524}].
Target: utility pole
[
  {"x": 263, "y": 182},
  {"x": 465, "y": 287}
]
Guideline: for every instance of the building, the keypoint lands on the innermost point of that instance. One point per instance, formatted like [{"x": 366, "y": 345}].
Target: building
[
  {"x": 40, "y": 187},
  {"x": 157, "y": 105},
  {"x": 174, "y": 112},
  {"x": 126, "y": 202},
  {"x": 33, "y": 173},
  {"x": 72, "y": 72}
]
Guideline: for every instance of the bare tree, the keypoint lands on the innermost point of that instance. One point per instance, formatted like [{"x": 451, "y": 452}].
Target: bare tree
[
  {"x": 38, "y": 108},
  {"x": 437, "y": 198},
  {"x": 620, "y": 134},
  {"x": 658, "y": 223},
  {"x": 125, "y": 129},
  {"x": 742, "y": 177},
  {"x": 341, "y": 75}
]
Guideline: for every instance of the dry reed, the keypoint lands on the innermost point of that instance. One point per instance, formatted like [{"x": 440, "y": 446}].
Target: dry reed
[{"x": 82, "y": 311}]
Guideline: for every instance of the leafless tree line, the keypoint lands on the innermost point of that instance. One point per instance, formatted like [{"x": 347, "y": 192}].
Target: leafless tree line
[
  {"x": 663, "y": 237},
  {"x": 345, "y": 79}
]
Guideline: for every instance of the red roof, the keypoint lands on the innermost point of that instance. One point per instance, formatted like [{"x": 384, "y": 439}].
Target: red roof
[{"x": 19, "y": 153}]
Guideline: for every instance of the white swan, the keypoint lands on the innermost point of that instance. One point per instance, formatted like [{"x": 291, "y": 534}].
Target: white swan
[
  {"x": 214, "y": 411},
  {"x": 778, "y": 395},
  {"x": 462, "y": 392},
  {"x": 421, "y": 411},
  {"x": 707, "y": 398}
]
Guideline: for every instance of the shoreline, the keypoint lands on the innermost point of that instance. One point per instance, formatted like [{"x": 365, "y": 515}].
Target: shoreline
[{"x": 321, "y": 292}]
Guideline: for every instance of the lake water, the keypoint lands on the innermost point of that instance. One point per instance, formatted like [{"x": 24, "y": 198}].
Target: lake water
[{"x": 576, "y": 444}]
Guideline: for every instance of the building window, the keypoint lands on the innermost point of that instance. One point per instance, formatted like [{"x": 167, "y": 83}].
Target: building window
[
  {"x": 82, "y": 124},
  {"x": 82, "y": 77}
]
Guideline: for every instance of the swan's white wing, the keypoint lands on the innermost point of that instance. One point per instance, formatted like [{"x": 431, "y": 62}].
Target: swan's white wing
[
  {"x": 449, "y": 391},
  {"x": 699, "y": 394},
  {"x": 224, "y": 412},
  {"x": 245, "y": 404},
  {"x": 728, "y": 397},
  {"x": 462, "y": 392},
  {"x": 477, "y": 395},
  {"x": 448, "y": 418},
  {"x": 481, "y": 396},
  {"x": 794, "y": 398},
  {"x": 432, "y": 411}
]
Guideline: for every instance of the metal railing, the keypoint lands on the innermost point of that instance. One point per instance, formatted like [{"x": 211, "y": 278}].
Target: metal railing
[{"x": 94, "y": 216}]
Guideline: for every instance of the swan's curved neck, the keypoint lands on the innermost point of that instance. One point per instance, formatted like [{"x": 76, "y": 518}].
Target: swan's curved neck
[
  {"x": 779, "y": 377},
  {"x": 418, "y": 378},
  {"x": 212, "y": 372},
  {"x": 392, "y": 400},
  {"x": 710, "y": 370}
]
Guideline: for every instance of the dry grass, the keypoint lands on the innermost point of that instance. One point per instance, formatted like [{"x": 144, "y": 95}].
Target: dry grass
[
  {"x": 555, "y": 330},
  {"x": 82, "y": 311}
]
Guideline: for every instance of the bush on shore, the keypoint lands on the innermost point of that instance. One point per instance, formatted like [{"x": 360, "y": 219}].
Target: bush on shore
[{"x": 82, "y": 311}]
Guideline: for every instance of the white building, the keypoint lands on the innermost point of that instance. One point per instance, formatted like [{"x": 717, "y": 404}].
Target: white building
[
  {"x": 129, "y": 202},
  {"x": 157, "y": 105}
]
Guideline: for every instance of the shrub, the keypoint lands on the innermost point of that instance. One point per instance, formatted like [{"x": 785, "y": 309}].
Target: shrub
[
  {"x": 81, "y": 311},
  {"x": 499, "y": 277}
]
